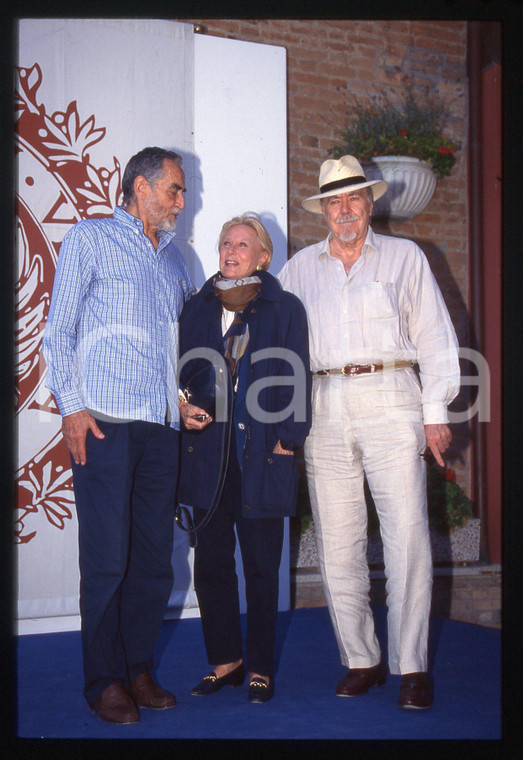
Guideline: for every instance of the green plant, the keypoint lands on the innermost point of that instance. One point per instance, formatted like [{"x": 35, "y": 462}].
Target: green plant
[
  {"x": 406, "y": 128},
  {"x": 449, "y": 507}
]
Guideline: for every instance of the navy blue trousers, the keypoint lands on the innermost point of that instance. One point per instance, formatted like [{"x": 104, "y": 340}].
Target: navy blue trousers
[
  {"x": 125, "y": 496},
  {"x": 216, "y": 581}
]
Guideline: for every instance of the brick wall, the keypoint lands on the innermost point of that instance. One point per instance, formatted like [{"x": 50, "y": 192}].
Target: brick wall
[
  {"x": 469, "y": 598},
  {"x": 473, "y": 597},
  {"x": 468, "y": 595},
  {"x": 324, "y": 58}
]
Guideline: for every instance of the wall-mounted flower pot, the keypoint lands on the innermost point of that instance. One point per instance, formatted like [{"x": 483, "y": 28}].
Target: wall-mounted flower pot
[{"x": 411, "y": 185}]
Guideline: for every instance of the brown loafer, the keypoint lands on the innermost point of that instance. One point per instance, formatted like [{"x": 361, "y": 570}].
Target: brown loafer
[
  {"x": 415, "y": 691},
  {"x": 116, "y": 706},
  {"x": 359, "y": 680},
  {"x": 148, "y": 694}
]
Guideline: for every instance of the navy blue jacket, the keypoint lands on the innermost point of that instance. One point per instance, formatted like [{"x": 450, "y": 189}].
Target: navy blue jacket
[{"x": 276, "y": 320}]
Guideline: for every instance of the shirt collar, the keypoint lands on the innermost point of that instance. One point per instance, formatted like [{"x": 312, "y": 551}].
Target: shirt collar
[
  {"x": 370, "y": 242},
  {"x": 323, "y": 248}
]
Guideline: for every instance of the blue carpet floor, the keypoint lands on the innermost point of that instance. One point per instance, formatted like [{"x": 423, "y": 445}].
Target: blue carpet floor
[{"x": 465, "y": 661}]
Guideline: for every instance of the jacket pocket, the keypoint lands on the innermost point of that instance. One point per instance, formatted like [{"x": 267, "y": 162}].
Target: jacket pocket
[
  {"x": 186, "y": 478},
  {"x": 198, "y": 475},
  {"x": 280, "y": 484}
]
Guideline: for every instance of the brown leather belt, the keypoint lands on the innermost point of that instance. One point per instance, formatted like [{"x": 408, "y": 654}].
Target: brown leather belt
[{"x": 363, "y": 369}]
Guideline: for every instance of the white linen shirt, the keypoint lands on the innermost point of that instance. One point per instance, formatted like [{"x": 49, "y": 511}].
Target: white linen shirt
[{"x": 387, "y": 308}]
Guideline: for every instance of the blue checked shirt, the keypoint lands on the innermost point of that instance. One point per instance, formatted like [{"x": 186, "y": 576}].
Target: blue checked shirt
[{"x": 111, "y": 339}]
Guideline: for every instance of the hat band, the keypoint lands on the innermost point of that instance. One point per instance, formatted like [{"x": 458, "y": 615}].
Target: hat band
[{"x": 342, "y": 183}]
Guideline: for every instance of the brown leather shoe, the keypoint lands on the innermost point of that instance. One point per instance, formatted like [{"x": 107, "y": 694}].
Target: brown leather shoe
[
  {"x": 359, "y": 680},
  {"x": 116, "y": 706},
  {"x": 148, "y": 694},
  {"x": 415, "y": 691}
]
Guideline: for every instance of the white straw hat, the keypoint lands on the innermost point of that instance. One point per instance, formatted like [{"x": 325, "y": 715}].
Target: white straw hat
[{"x": 342, "y": 176}]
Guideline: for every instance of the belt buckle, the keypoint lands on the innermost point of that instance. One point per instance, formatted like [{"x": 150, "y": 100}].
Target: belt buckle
[{"x": 372, "y": 368}]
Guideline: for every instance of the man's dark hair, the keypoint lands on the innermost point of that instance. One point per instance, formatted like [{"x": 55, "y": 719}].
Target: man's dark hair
[{"x": 147, "y": 163}]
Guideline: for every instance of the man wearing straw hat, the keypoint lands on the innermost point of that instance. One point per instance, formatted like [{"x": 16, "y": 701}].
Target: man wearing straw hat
[{"x": 374, "y": 310}]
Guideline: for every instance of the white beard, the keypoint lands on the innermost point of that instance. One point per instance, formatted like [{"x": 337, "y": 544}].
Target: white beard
[
  {"x": 347, "y": 237},
  {"x": 168, "y": 225},
  {"x": 164, "y": 224}
]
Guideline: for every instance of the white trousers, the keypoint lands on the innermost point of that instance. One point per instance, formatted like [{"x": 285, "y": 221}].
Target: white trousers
[{"x": 372, "y": 424}]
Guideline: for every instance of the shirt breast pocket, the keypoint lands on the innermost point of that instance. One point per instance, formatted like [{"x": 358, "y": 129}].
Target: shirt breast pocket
[
  {"x": 379, "y": 300},
  {"x": 380, "y": 324}
]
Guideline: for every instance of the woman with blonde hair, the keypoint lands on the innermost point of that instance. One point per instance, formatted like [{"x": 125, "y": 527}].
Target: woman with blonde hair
[{"x": 240, "y": 311}]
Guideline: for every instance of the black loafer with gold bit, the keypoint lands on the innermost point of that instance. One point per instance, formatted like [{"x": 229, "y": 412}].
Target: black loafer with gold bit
[
  {"x": 212, "y": 683},
  {"x": 260, "y": 691}
]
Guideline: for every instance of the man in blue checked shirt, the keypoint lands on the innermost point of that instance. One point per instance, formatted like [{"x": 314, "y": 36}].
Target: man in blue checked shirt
[{"x": 111, "y": 346}]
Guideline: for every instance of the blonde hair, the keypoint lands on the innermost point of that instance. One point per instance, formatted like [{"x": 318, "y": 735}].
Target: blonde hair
[{"x": 252, "y": 220}]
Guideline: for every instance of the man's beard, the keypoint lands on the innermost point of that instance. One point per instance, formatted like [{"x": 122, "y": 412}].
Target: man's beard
[
  {"x": 167, "y": 224},
  {"x": 347, "y": 237},
  {"x": 162, "y": 223}
]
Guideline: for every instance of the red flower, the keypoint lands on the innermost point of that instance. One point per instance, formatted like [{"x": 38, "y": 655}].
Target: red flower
[
  {"x": 404, "y": 132},
  {"x": 362, "y": 135},
  {"x": 450, "y": 475}
]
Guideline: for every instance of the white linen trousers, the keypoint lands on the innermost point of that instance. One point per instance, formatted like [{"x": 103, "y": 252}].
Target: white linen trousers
[{"x": 372, "y": 424}]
